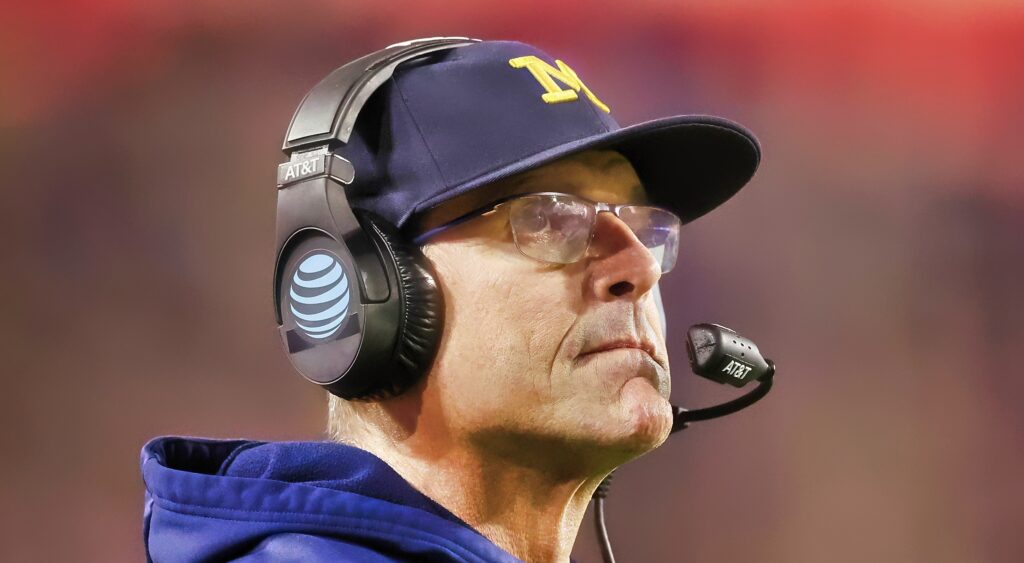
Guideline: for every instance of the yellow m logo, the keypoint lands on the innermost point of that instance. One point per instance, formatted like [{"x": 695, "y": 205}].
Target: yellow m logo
[{"x": 547, "y": 74}]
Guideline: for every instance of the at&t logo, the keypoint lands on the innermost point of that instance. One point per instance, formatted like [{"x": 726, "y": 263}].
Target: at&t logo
[{"x": 319, "y": 295}]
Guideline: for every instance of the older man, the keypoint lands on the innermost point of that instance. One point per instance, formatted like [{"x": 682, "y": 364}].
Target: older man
[{"x": 547, "y": 228}]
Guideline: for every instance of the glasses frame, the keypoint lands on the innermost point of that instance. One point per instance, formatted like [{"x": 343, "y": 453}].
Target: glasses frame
[{"x": 599, "y": 206}]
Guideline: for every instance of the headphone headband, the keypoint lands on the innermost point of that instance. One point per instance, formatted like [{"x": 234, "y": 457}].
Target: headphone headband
[{"x": 328, "y": 112}]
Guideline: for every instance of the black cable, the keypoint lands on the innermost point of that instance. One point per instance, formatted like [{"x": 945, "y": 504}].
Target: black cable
[{"x": 602, "y": 532}]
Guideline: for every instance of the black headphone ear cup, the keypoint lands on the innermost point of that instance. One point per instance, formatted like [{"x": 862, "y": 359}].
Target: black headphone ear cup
[{"x": 421, "y": 307}]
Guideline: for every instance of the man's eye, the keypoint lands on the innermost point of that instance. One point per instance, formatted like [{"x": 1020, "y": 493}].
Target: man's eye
[
  {"x": 535, "y": 220},
  {"x": 651, "y": 237},
  {"x": 568, "y": 222}
]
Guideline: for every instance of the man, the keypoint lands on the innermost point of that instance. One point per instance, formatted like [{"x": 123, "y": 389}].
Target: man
[{"x": 548, "y": 229}]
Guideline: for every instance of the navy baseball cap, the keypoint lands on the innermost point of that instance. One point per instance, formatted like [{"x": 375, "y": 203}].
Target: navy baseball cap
[{"x": 456, "y": 120}]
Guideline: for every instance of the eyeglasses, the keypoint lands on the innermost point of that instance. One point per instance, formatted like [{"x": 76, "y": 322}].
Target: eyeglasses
[{"x": 557, "y": 228}]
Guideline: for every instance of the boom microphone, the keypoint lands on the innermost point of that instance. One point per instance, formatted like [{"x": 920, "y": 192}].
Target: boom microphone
[{"x": 719, "y": 354}]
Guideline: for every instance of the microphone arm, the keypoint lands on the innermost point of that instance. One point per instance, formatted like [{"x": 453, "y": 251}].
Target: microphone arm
[{"x": 681, "y": 417}]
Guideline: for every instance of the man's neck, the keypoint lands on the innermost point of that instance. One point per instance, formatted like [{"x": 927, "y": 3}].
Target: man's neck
[
  {"x": 524, "y": 508},
  {"x": 525, "y": 511}
]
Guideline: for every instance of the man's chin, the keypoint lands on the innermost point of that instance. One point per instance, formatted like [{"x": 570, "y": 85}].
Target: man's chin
[
  {"x": 640, "y": 423},
  {"x": 648, "y": 416}
]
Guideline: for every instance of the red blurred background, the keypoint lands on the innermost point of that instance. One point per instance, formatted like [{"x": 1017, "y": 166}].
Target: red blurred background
[{"x": 878, "y": 257}]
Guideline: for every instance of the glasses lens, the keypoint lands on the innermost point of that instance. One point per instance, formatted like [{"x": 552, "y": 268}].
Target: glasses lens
[
  {"x": 657, "y": 229},
  {"x": 551, "y": 228}
]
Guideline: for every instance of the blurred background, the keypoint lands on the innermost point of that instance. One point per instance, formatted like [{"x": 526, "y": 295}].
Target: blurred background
[{"x": 877, "y": 257}]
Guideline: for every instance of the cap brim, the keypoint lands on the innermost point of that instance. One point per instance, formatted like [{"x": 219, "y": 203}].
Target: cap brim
[{"x": 690, "y": 164}]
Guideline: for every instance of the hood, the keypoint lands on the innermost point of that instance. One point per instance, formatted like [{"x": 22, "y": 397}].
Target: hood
[{"x": 217, "y": 500}]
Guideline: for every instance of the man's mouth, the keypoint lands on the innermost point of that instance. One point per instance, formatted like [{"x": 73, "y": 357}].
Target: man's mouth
[{"x": 620, "y": 344}]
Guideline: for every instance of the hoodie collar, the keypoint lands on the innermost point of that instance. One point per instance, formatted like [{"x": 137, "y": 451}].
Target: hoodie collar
[{"x": 206, "y": 493}]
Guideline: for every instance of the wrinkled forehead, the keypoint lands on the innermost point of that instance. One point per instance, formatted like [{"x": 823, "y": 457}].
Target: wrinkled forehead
[{"x": 597, "y": 175}]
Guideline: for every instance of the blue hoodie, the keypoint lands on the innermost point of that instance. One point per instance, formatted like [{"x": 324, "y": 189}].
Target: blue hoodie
[{"x": 218, "y": 500}]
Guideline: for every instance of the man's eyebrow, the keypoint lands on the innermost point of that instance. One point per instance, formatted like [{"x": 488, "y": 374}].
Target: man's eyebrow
[
  {"x": 635, "y": 193},
  {"x": 613, "y": 162},
  {"x": 520, "y": 180}
]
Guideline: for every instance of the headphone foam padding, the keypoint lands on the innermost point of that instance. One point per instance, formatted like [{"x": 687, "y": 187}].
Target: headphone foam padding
[{"x": 421, "y": 309}]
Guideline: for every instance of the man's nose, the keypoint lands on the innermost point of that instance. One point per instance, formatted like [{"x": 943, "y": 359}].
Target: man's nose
[{"x": 622, "y": 267}]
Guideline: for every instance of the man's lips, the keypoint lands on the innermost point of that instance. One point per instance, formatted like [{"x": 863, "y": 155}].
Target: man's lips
[{"x": 620, "y": 344}]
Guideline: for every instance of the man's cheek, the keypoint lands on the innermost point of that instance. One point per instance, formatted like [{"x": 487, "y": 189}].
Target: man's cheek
[
  {"x": 544, "y": 312},
  {"x": 654, "y": 314}
]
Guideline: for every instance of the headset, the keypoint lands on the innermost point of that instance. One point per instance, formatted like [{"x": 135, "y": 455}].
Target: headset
[{"x": 358, "y": 306}]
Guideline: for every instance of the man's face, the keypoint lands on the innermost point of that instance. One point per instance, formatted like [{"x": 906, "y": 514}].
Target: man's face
[{"x": 559, "y": 360}]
